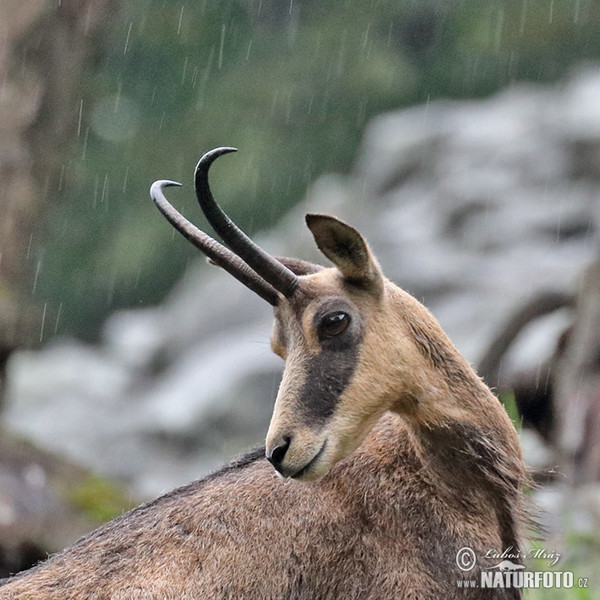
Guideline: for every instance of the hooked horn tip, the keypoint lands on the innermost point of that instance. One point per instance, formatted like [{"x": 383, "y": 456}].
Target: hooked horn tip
[
  {"x": 158, "y": 186},
  {"x": 209, "y": 157},
  {"x": 221, "y": 150},
  {"x": 162, "y": 183}
]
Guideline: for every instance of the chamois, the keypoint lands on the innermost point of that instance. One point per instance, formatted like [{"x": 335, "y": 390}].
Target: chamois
[{"x": 385, "y": 458}]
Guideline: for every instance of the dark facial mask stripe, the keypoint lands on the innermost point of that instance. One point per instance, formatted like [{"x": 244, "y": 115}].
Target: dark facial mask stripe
[{"x": 328, "y": 375}]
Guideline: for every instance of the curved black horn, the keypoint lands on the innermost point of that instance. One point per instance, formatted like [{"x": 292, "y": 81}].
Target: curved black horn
[
  {"x": 220, "y": 255},
  {"x": 269, "y": 268}
]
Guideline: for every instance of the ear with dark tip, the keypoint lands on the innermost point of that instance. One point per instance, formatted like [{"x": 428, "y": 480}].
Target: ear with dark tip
[
  {"x": 298, "y": 266},
  {"x": 346, "y": 249}
]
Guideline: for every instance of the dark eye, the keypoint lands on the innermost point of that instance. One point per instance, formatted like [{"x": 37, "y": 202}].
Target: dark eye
[{"x": 334, "y": 324}]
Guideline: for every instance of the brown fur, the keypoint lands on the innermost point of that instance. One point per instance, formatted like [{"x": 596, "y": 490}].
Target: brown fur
[{"x": 420, "y": 460}]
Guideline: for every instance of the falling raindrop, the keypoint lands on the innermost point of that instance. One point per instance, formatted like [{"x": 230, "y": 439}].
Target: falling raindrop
[
  {"x": 127, "y": 39},
  {"x": 43, "y": 323},
  {"x": 80, "y": 117},
  {"x": 180, "y": 20},
  {"x": 221, "y": 46},
  {"x": 125, "y": 179},
  {"x": 61, "y": 178},
  {"x": 58, "y": 316},
  {"x": 366, "y": 37},
  {"x": 209, "y": 64},
  {"x": 27, "y": 256},
  {"x": 36, "y": 276},
  {"x": 104, "y": 196},
  {"x": 118, "y": 96},
  {"x": 184, "y": 70},
  {"x": 85, "y": 144},
  {"x": 95, "y": 196},
  {"x": 576, "y": 11}
]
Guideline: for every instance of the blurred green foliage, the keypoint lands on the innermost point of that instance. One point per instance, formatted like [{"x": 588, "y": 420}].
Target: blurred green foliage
[
  {"x": 581, "y": 559},
  {"x": 292, "y": 84},
  {"x": 507, "y": 398},
  {"x": 101, "y": 499}
]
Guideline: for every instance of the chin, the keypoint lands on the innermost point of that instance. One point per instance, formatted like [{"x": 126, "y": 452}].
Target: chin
[
  {"x": 318, "y": 467},
  {"x": 314, "y": 473}
]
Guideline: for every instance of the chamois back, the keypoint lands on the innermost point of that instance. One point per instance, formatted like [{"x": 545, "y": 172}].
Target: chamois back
[{"x": 377, "y": 526}]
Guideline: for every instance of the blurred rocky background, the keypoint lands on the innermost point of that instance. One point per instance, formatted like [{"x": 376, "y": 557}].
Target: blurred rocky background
[{"x": 463, "y": 139}]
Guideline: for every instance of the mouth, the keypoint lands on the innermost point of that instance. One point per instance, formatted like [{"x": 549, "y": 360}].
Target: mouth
[{"x": 306, "y": 468}]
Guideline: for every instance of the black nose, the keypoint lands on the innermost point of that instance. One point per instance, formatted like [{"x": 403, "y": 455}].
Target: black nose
[{"x": 276, "y": 456}]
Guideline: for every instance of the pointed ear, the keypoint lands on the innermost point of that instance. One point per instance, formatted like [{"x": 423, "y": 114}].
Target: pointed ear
[{"x": 346, "y": 249}]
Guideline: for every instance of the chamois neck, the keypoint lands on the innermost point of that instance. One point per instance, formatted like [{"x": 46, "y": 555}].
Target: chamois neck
[
  {"x": 481, "y": 470},
  {"x": 438, "y": 386},
  {"x": 469, "y": 444}
]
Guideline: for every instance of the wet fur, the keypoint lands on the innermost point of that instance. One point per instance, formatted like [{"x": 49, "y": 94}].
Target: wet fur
[
  {"x": 381, "y": 524},
  {"x": 440, "y": 468}
]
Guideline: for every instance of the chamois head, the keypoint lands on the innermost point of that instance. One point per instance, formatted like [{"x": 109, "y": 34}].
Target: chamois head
[{"x": 338, "y": 329}]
